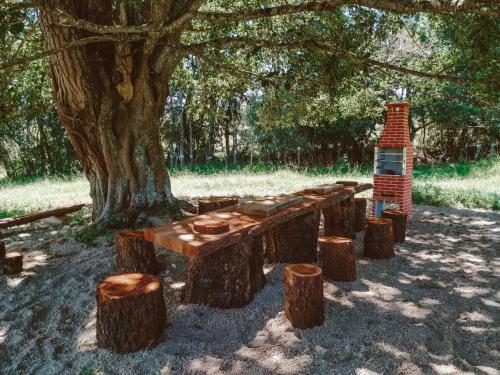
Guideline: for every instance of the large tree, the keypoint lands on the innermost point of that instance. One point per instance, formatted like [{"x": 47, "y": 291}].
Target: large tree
[{"x": 111, "y": 63}]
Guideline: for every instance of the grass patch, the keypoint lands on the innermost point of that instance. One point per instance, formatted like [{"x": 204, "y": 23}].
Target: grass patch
[{"x": 464, "y": 184}]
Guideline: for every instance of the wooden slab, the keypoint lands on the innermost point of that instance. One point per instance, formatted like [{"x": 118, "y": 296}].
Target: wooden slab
[
  {"x": 347, "y": 183},
  {"x": 182, "y": 237},
  {"x": 269, "y": 205},
  {"x": 323, "y": 189},
  {"x": 211, "y": 226}
]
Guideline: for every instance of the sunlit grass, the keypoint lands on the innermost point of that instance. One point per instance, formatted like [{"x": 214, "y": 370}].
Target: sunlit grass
[{"x": 456, "y": 185}]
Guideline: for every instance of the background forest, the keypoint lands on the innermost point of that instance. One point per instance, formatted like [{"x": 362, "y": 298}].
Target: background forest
[{"x": 292, "y": 107}]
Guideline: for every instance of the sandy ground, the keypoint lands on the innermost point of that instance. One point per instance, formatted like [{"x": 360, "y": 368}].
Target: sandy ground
[{"x": 434, "y": 309}]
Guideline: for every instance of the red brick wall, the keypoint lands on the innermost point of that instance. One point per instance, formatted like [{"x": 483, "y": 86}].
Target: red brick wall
[{"x": 396, "y": 134}]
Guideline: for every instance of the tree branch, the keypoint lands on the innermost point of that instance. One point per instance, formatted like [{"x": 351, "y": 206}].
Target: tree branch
[
  {"x": 71, "y": 45},
  {"x": 488, "y": 8},
  {"x": 325, "y": 46}
]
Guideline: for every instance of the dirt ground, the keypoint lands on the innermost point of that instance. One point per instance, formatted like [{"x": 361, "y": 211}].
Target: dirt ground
[{"x": 434, "y": 309}]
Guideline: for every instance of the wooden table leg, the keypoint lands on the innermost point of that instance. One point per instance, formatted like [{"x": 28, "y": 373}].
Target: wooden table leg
[
  {"x": 296, "y": 241},
  {"x": 339, "y": 219},
  {"x": 227, "y": 278}
]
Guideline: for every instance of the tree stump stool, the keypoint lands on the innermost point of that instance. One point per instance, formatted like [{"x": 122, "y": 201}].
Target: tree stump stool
[
  {"x": 215, "y": 203},
  {"x": 340, "y": 218},
  {"x": 131, "y": 312},
  {"x": 304, "y": 305},
  {"x": 379, "y": 239},
  {"x": 296, "y": 241},
  {"x": 360, "y": 214},
  {"x": 13, "y": 263},
  {"x": 337, "y": 258},
  {"x": 135, "y": 254},
  {"x": 228, "y": 277},
  {"x": 2, "y": 251},
  {"x": 399, "y": 219}
]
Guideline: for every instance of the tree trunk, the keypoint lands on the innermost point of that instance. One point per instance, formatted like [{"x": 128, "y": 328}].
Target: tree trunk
[
  {"x": 227, "y": 278},
  {"x": 135, "y": 254},
  {"x": 110, "y": 98},
  {"x": 295, "y": 241}
]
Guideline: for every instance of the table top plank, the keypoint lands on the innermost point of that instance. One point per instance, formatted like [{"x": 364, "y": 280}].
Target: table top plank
[{"x": 181, "y": 237}]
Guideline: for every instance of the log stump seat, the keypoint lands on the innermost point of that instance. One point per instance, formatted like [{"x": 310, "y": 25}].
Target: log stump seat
[
  {"x": 304, "y": 304},
  {"x": 135, "y": 254},
  {"x": 337, "y": 258},
  {"x": 131, "y": 312},
  {"x": 13, "y": 263},
  {"x": 215, "y": 203},
  {"x": 360, "y": 214},
  {"x": 399, "y": 219},
  {"x": 379, "y": 239}
]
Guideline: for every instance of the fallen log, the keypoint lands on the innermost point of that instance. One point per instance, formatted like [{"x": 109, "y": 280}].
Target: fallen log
[{"x": 29, "y": 218}]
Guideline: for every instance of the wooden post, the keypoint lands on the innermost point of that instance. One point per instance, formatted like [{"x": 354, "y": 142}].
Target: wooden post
[
  {"x": 2, "y": 251},
  {"x": 304, "y": 305},
  {"x": 360, "y": 214},
  {"x": 13, "y": 263},
  {"x": 135, "y": 254},
  {"x": 379, "y": 239},
  {"x": 131, "y": 312},
  {"x": 226, "y": 278},
  {"x": 399, "y": 219},
  {"x": 340, "y": 218},
  {"x": 296, "y": 241},
  {"x": 215, "y": 203},
  {"x": 333, "y": 220},
  {"x": 337, "y": 258},
  {"x": 348, "y": 216}
]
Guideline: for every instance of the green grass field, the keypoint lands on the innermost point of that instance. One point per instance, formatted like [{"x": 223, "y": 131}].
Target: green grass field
[{"x": 467, "y": 184}]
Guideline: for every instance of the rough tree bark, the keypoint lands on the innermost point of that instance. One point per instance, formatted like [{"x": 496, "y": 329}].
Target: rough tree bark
[{"x": 110, "y": 97}]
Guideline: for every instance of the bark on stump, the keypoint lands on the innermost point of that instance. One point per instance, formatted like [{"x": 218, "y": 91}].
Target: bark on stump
[
  {"x": 333, "y": 220},
  {"x": 399, "y": 219},
  {"x": 227, "y": 278},
  {"x": 304, "y": 304},
  {"x": 360, "y": 214},
  {"x": 270, "y": 253},
  {"x": 349, "y": 216},
  {"x": 215, "y": 203},
  {"x": 2, "y": 250},
  {"x": 337, "y": 258},
  {"x": 379, "y": 239},
  {"x": 131, "y": 312},
  {"x": 135, "y": 254},
  {"x": 13, "y": 263},
  {"x": 340, "y": 218},
  {"x": 296, "y": 241}
]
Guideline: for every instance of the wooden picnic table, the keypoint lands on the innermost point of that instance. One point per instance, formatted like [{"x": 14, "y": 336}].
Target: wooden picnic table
[{"x": 225, "y": 269}]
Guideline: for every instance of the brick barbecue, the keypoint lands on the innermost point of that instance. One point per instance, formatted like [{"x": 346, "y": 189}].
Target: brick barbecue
[{"x": 393, "y": 167}]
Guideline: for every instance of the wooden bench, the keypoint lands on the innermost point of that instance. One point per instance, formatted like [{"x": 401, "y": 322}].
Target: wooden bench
[{"x": 226, "y": 269}]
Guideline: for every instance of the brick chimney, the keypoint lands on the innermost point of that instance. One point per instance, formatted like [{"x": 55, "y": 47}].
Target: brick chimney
[{"x": 393, "y": 169}]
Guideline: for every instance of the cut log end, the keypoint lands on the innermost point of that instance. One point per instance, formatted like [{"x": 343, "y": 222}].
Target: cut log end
[
  {"x": 304, "y": 304},
  {"x": 215, "y": 203},
  {"x": 131, "y": 312},
  {"x": 13, "y": 263},
  {"x": 210, "y": 226},
  {"x": 127, "y": 285}
]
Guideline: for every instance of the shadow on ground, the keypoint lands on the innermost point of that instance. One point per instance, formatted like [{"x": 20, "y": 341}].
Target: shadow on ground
[{"x": 432, "y": 310}]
